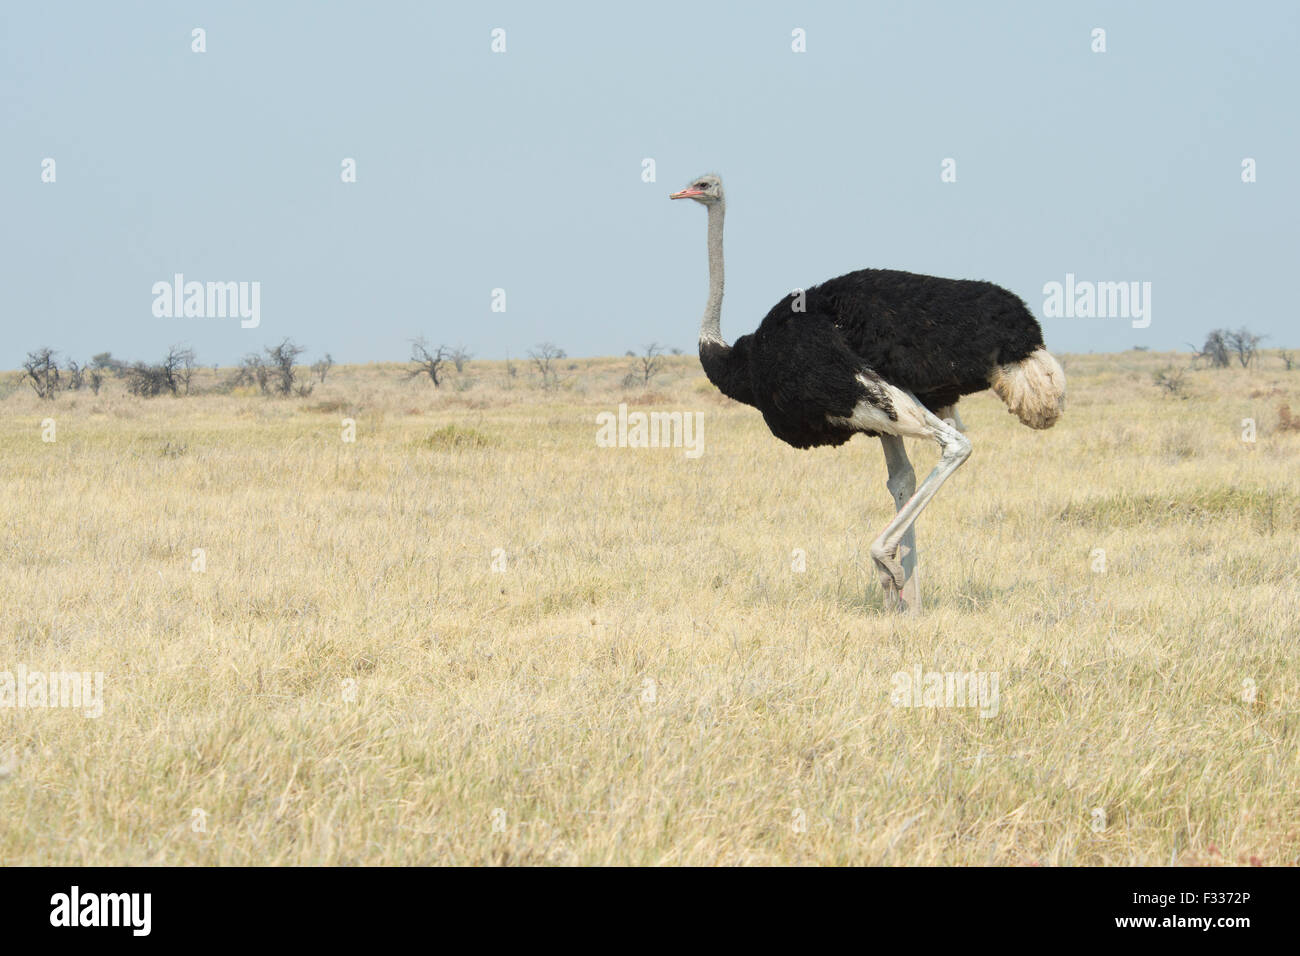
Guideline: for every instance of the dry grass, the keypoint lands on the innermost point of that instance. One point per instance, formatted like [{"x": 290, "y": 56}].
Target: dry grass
[{"x": 648, "y": 680}]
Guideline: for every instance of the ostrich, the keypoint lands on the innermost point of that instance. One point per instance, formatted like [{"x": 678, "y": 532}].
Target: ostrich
[{"x": 887, "y": 354}]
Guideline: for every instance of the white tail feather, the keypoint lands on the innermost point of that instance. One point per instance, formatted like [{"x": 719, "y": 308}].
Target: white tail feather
[{"x": 1033, "y": 389}]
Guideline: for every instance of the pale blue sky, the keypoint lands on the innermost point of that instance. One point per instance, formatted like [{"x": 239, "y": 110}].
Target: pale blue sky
[{"x": 523, "y": 170}]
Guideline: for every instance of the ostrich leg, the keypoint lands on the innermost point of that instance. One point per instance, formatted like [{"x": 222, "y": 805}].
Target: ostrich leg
[
  {"x": 956, "y": 449},
  {"x": 949, "y": 414},
  {"x": 902, "y": 485}
]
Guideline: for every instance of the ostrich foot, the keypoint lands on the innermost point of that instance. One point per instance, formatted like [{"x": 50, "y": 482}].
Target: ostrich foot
[{"x": 892, "y": 576}]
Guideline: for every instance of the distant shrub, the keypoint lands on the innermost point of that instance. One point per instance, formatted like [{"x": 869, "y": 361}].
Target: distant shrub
[
  {"x": 281, "y": 360},
  {"x": 148, "y": 381},
  {"x": 1215, "y": 349},
  {"x": 168, "y": 376},
  {"x": 251, "y": 370},
  {"x": 104, "y": 362},
  {"x": 1171, "y": 381}
]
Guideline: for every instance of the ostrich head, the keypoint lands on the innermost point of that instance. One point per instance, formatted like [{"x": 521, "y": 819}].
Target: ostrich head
[{"x": 703, "y": 189}]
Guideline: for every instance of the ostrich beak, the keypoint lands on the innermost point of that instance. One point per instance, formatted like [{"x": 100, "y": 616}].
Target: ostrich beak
[{"x": 686, "y": 193}]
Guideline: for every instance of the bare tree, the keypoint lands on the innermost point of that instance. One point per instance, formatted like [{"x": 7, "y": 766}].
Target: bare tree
[
  {"x": 460, "y": 356},
  {"x": 322, "y": 367},
  {"x": 43, "y": 371},
  {"x": 544, "y": 358},
  {"x": 183, "y": 362},
  {"x": 1245, "y": 343},
  {"x": 428, "y": 361},
  {"x": 651, "y": 362},
  {"x": 96, "y": 378},
  {"x": 76, "y": 376},
  {"x": 281, "y": 361},
  {"x": 172, "y": 368}
]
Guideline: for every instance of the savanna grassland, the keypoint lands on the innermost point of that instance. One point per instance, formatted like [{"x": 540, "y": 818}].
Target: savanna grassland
[{"x": 473, "y": 636}]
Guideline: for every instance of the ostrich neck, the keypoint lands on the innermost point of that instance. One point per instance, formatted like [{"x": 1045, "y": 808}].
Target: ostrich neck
[
  {"x": 711, "y": 324},
  {"x": 725, "y": 367}
]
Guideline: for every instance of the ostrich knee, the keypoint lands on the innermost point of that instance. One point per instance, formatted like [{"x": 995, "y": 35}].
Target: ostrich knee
[{"x": 956, "y": 447}]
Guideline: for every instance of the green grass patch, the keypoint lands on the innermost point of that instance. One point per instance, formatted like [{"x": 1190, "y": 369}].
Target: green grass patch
[
  {"x": 455, "y": 438},
  {"x": 1268, "y": 509}
]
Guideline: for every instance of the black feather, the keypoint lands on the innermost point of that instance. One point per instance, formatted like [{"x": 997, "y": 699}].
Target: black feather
[{"x": 936, "y": 338}]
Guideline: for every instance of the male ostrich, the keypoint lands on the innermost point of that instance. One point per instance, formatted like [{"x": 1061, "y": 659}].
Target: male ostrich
[{"x": 887, "y": 354}]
